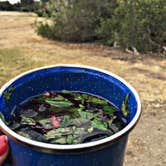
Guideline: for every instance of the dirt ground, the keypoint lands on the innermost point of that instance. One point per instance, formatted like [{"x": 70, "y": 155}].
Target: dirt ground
[{"x": 22, "y": 49}]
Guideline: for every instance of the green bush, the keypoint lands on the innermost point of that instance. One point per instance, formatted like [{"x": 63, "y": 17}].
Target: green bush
[
  {"x": 133, "y": 23},
  {"x": 139, "y": 23},
  {"x": 76, "y": 20},
  {"x": 45, "y": 30}
]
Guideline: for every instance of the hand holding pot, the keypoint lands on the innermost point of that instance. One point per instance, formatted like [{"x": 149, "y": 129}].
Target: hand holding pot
[{"x": 4, "y": 148}]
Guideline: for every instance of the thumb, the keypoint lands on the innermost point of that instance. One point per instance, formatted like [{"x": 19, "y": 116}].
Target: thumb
[{"x": 4, "y": 148}]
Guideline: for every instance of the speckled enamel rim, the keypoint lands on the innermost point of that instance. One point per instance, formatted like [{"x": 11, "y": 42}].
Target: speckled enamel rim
[{"x": 79, "y": 147}]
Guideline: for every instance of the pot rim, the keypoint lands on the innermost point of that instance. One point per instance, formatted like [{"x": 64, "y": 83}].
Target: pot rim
[{"x": 56, "y": 147}]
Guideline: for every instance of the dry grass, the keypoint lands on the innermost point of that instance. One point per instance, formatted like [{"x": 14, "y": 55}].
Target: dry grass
[{"x": 21, "y": 49}]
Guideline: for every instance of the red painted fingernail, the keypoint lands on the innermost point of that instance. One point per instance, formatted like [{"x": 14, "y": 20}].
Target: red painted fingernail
[{"x": 3, "y": 144}]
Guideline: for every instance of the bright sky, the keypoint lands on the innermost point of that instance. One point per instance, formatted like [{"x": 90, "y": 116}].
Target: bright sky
[
  {"x": 14, "y": 1},
  {"x": 11, "y": 1}
]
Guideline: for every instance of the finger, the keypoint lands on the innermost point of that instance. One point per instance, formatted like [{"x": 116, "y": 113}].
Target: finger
[
  {"x": 4, "y": 148},
  {"x": 3, "y": 157}
]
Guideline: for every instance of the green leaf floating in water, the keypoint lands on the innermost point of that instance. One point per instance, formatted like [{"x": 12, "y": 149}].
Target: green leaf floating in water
[
  {"x": 66, "y": 92},
  {"x": 82, "y": 107},
  {"x": 8, "y": 93},
  {"x": 85, "y": 96},
  {"x": 78, "y": 97},
  {"x": 24, "y": 134},
  {"x": 46, "y": 123},
  {"x": 3, "y": 118},
  {"x": 98, "y": 101},
  {"x": 99, "y": 124},
  {"x": 66, "y": 121},
  {"x": 58, "y": 98},
  {"x": 124, "y": 107},
  {"x": 69, "y": 139},
  {"x": 61, "y": 140},
  {"x": 57, "y": 133},
  {"x": 59, "y": 104},
  {"x": 109, "y": 109},
  {"x": 80, "y": 121},
  {"x": 27, "y": 121},
  {"x": 87, "y": 115}
]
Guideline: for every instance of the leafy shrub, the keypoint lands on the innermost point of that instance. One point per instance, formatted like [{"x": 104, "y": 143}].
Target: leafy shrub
[
  {"x": 45, "y": 30},
  {"x": 76, "y": 20},
  {"x": 139, "y": 23},
  {"x": 132, "y": 23}
]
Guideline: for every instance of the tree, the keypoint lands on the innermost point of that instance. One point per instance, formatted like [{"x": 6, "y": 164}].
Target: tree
[{"x": 27, "y": 2}]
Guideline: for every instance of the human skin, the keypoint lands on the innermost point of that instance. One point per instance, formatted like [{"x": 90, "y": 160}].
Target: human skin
[{"x": 4, "y": 148}]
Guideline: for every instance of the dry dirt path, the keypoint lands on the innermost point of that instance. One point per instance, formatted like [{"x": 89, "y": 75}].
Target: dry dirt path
[{"x": 21, "y": 49}]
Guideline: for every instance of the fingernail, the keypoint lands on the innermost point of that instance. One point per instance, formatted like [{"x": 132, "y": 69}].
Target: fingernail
[{"x": 3, "y": 144}]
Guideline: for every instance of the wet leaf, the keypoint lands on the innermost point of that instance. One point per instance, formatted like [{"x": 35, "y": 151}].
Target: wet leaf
[
  {"x": 93, "y": 136},
  {"x": 79, "y": 132},
  {"x": 36, "y": 136},
  {"x": 59, "y": 104},
  {"x": 78, "y": 97},
  {"x": 87, "y": 115},
  {"x": 8, "y": 93},
  {"x": 124, "y": 107},
  {"x": 57, "y": 133},
  {"x": 24, "y": 134},
  {"x": 82, "y": 107},
  {"x": 69, "y": 139},
  {"x": 110, "y": 121},
  {"x": 98, "y": 101},
  {"x": 80, "y": 121},
  {"x": 99, "y": 124},
  {"x": 59, "y": 98},
  {"x": 61, "y": 140},
  {"x": 15, "y": 125},
  {"x": 77, "y": 140},
  {"x": 55, "y": 121},
  {"x": 114, "y": 128},
  {"x": 66, "y": 121},
  {"x": 3, "y": 118},
  {"x": 108, "y": 109},
  {"x": 46, "y": 123},
  {"x": 47, "y": 94},
  {"x": 42, "y": 108},
  {"x": 27, "y": 121},
  {"x": 90, "y": 129},
  {"x": 30, "y": 113},
  {"x": 85, "y": 96},
  {"x": 66, "y": 92}
]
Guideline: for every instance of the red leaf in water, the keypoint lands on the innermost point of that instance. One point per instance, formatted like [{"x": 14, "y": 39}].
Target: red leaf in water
[
  {"x": 55, "y": 121},
  {"x": 47, "y": 94}
]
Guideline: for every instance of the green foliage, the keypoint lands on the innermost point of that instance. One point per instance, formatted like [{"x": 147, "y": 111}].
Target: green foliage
[
  {"x": 124, "y": 108},
  {"x": 76, "y": 20},
  {"x": 6, "y": 6},
  {"x": 109, "y": 109},
  {"x": 139, "y": 23},
  {"x": 99, "y": 124},
  {"x": 45, "y": 30},
  {"x": 3, "y": 118},
  {"x": 8, "y": 93},
  {"x": 27, "y": 121},
  {"x": 136, "y": 24}
]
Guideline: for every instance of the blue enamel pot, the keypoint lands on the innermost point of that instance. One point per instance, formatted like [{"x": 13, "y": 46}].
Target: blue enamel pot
[{"x": 106, "y": 152}]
